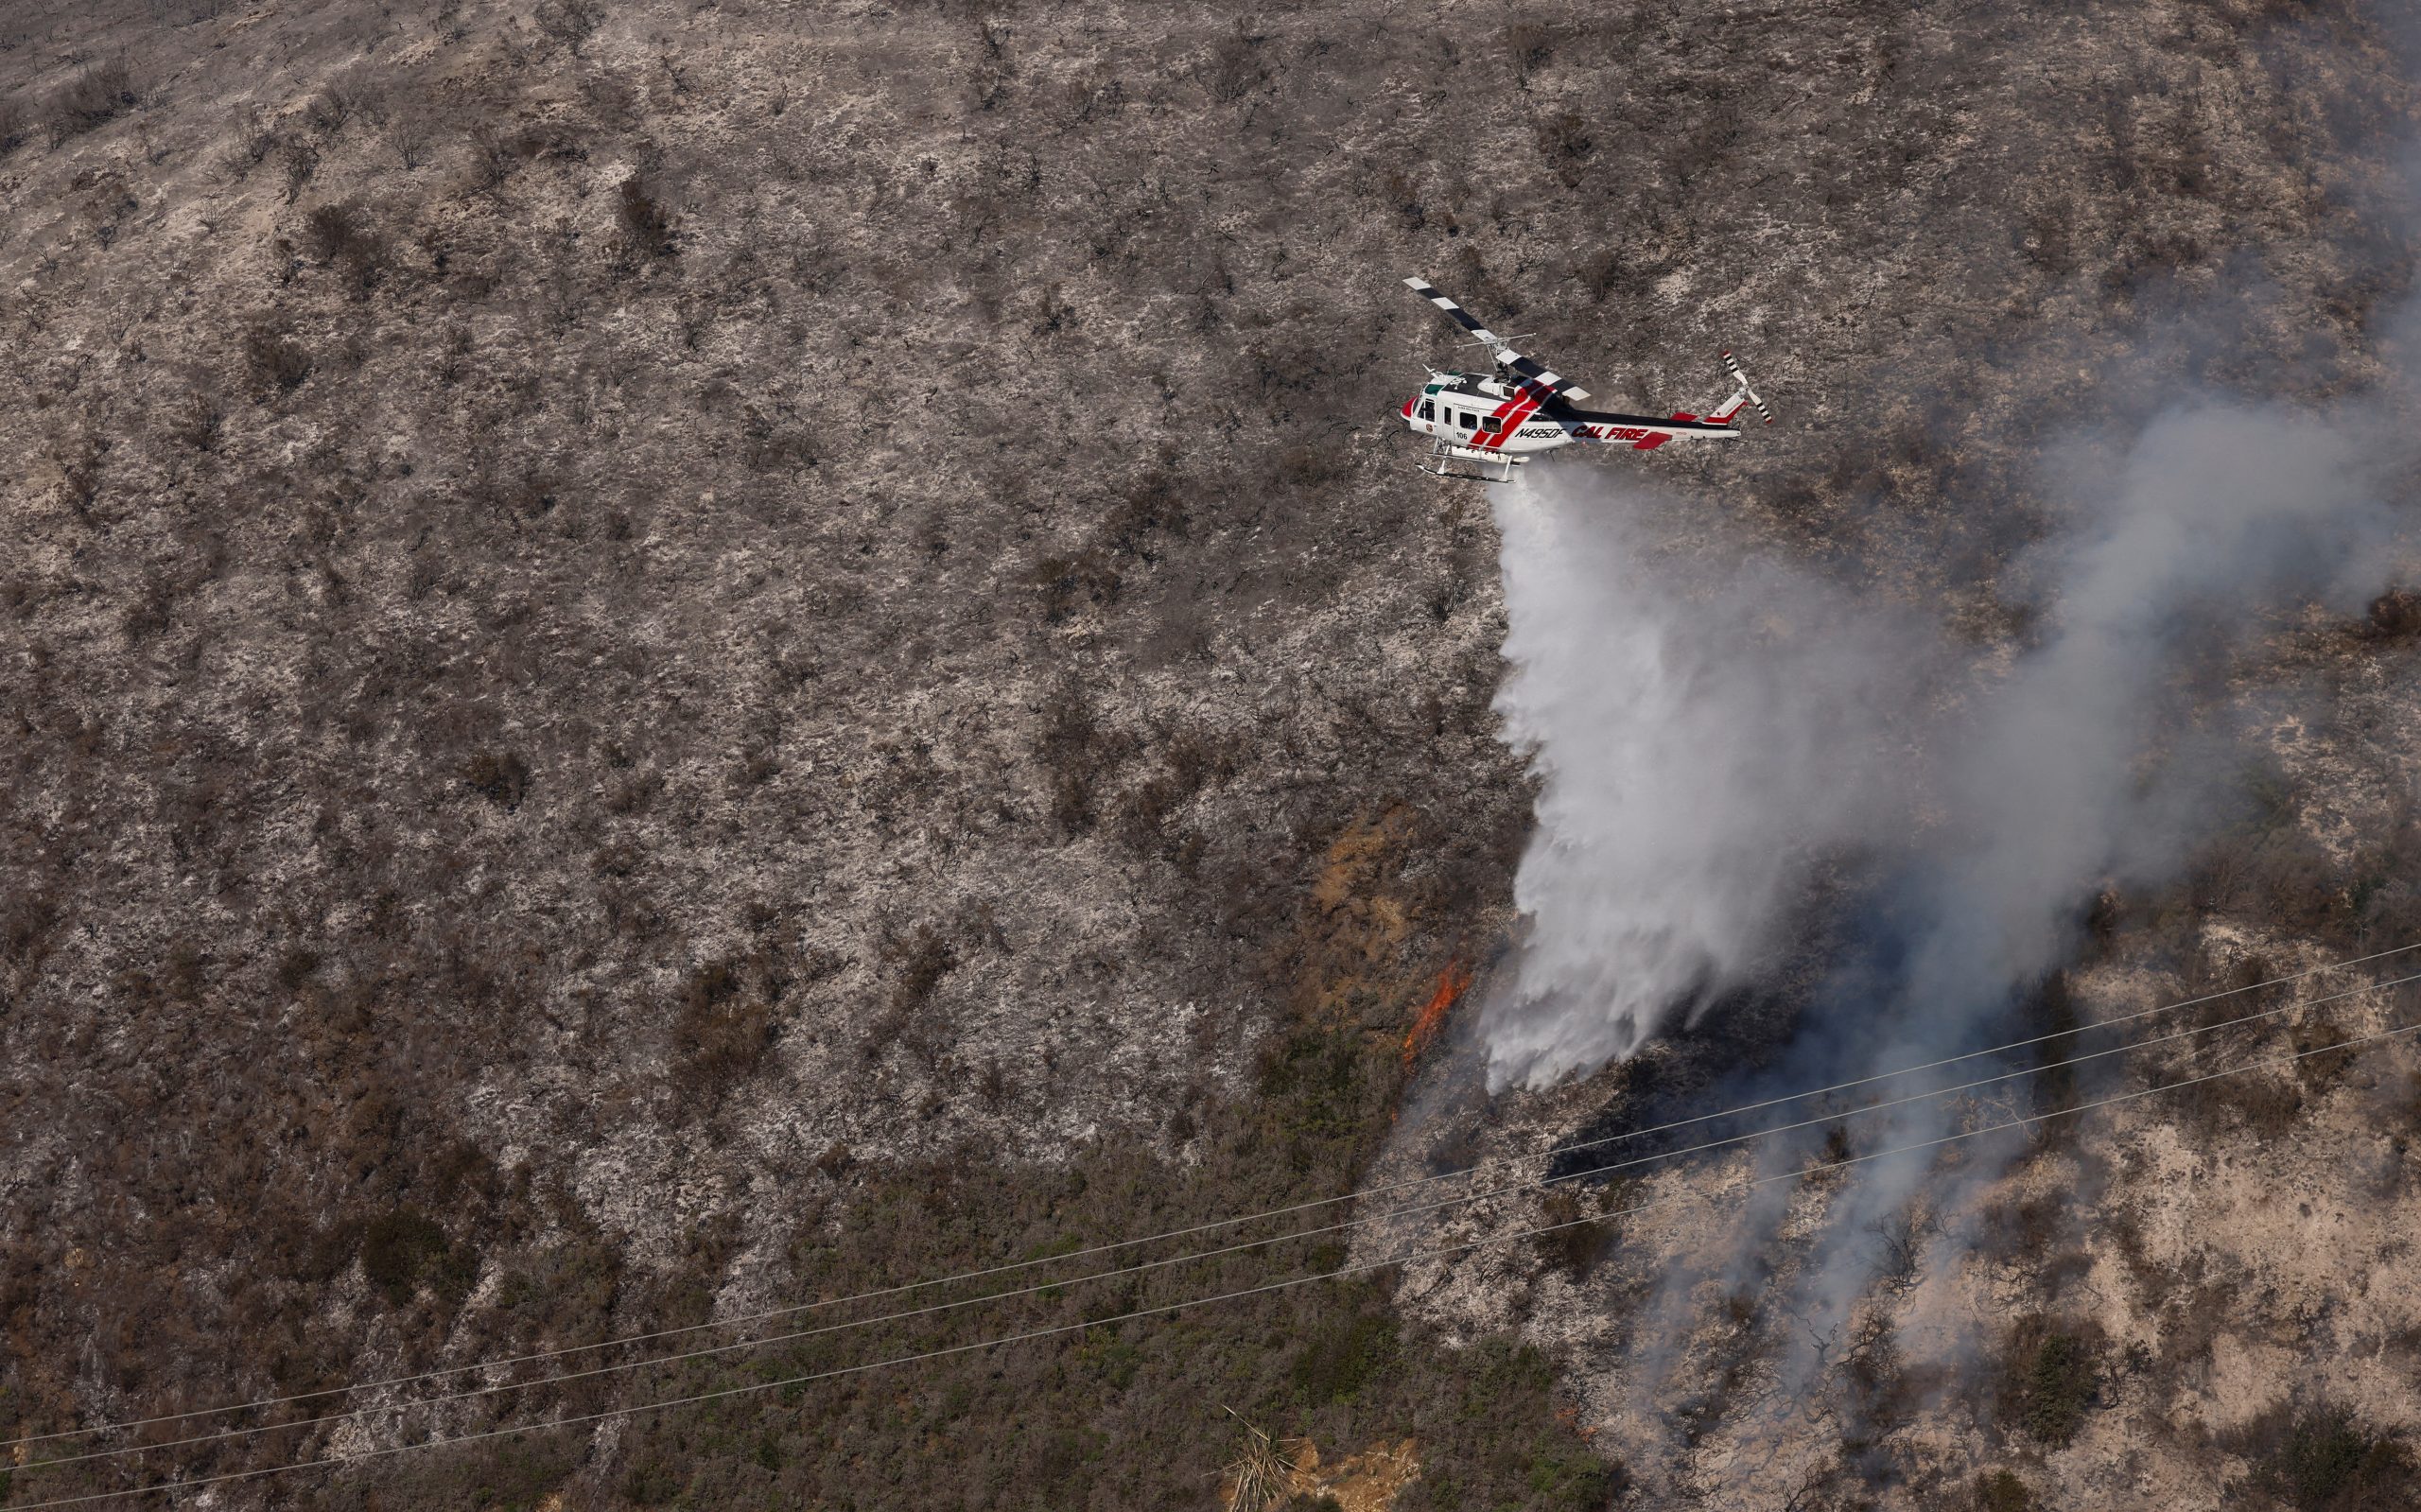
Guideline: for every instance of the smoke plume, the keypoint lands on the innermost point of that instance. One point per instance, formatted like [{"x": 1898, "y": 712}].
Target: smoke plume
[
  {"x": 1718, "y": 730},
  {"x": 1712, "y": 728}
]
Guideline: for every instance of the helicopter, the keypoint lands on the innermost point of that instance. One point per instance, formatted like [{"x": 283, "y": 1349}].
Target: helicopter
[{"x": 1482, "y": 427}]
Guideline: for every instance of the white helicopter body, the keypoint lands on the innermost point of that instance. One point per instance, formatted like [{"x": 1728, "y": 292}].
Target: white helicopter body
[{"x": 1494, "y": 423}]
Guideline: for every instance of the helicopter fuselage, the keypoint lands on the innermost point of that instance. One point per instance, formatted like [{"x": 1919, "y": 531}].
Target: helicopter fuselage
[
  {"x": 1485, "y": 414},
  {"x": 1495, "y": 422}
]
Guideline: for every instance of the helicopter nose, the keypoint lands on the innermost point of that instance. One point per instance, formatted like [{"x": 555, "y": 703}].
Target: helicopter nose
[{"x": 1408, "y": 409}]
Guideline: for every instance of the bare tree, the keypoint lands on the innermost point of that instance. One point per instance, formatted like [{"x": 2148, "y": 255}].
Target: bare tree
[
  {"x": 255, "y": 138},
  {"x": 491, "y": 159},
  {"x": 91, "y": 99},
  {"x": 1900, "y": 1241},
  {"x": 333, "y": 106},
  {"x": 411, "y": 132},
  {"x": 300, "y": 160}
]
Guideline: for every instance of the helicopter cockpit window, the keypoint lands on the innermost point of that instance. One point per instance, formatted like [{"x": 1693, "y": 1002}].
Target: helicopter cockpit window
[{"x": 1428, "y": 410}]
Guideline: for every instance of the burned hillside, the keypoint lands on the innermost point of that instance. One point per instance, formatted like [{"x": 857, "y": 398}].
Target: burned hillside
[{"x": 663, "y": 659}]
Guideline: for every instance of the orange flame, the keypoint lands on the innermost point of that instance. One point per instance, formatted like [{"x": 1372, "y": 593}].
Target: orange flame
[{"x": 1451, "y": 984}]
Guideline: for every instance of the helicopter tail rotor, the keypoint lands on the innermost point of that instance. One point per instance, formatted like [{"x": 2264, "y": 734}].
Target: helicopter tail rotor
[{"x": 1743, "y": 392}]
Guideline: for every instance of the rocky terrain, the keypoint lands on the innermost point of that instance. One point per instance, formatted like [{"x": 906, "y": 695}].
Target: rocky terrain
[{"x": 668, "y": 659}]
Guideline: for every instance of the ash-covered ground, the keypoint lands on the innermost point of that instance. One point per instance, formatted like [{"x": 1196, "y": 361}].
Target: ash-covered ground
[{"x": 663, "y": 659}]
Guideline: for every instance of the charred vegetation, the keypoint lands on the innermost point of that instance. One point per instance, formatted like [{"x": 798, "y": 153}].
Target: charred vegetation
[{"x": 658, "y": 666}]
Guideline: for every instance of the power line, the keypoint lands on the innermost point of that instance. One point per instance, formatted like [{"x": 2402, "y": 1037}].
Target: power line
[
  {"x": 1314, "y": 1205},
  {"x": 1163, "y": 1308},
  {"x": 227, "y": 1435}
]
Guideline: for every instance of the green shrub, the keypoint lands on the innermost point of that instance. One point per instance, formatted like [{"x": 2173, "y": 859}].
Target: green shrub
[
  {"x": 403, "y": 1250},
  {"x": 1320, "y": 1080},
  {"x": 501, "y": 777},
  {"x": 1570, "y": 1243},
  {"x": 2002, "y": 1492},
  {"x": 650, "y": 1485},
  {"x": 2327, "y": 1462},
  {"x": 1339, "y": 1360},
  {"x": 723, "y": 1029},
  {"x": 1565, "y": 1474},
  {"x": 646, "y": 227},
  {"x": 2062, "y": 1380}
]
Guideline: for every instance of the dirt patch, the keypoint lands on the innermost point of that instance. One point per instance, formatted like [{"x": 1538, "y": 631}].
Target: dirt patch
[{"x": 1369, "y": 1482}]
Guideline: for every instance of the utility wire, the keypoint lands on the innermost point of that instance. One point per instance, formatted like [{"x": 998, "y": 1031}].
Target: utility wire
[
  {"x": 227, "y": 1435},
  {"x": 1313, "y": 1205},
  {"x": 1407, "y": 1257}
]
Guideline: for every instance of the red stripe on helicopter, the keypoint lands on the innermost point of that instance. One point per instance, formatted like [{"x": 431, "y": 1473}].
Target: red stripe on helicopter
[
  {"x": 1501, "y": 424},
  {"x": 1491, "y": 424}
]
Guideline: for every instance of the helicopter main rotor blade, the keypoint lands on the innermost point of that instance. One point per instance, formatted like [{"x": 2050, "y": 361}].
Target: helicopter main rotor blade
[
  {"x": 1548, "y": 385},
  {"x": 1454, "y": 312}
]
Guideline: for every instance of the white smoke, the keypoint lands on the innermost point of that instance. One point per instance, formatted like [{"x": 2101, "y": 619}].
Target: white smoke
[
  {"x": 2220, "y": 518},
  {"x": 1703, "y": 725},
  {"x": 1711, "y": 726}
]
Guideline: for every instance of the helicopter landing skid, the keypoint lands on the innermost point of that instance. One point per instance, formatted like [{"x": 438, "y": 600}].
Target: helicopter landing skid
[{"x": 1447, "y": 460}]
